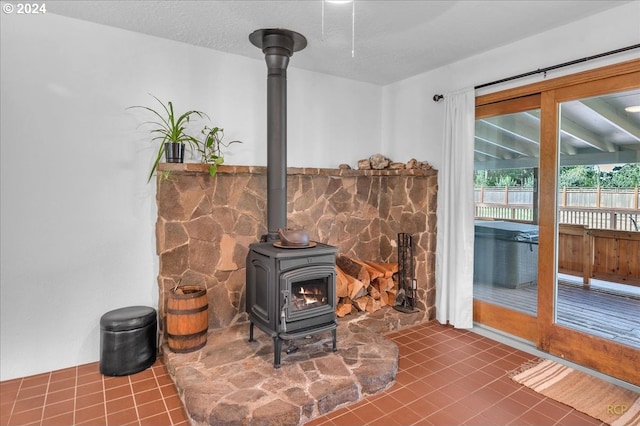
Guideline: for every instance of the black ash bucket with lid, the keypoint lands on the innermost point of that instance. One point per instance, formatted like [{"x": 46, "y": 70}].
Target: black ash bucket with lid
[{"x": 128, "y": 340}]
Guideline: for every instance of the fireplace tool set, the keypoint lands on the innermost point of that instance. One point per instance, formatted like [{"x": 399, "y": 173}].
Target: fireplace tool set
[{"x": 406, "y": 296}]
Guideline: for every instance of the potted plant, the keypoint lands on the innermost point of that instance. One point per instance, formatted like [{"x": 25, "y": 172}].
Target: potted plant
[
  {"x": 170, "y": 130},
  {"x": 210, "y": 148}
]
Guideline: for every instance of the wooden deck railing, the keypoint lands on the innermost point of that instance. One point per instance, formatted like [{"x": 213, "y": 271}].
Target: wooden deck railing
[
  {"x": 599, "y": 253},
  {"x": 519, "y": 212},
  {"x": 602, "y": 208}
]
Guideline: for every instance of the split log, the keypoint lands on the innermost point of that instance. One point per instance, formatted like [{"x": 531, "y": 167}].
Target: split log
[
  {"x": 369, "y": 308},
  {"x": 342, "y": 283},
  {"x": 381, "y": 289},
  {"x": 363, "y": 292},
  {"x": 374, "y": 292},
  {"x": 368, "y": 304},
  {"x": 354, "y": 269},
  {"x": 372, "y": 305},
  {"x": 373, "y": 272},
  {"x": 388, "y": 269},
  {"x": 361, "y": 303},
  {"x": 355, "y": 288},
  {"x": 344, "y": 308},
  {"x": 364, "y": 285},
  {"x": 385, "y": 284},
  {"x": 384, "y": 298},
  {"x": 391, "y": 297}
]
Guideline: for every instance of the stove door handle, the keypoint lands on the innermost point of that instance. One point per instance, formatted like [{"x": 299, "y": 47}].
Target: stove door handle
[{"x": 283, "y": 312}]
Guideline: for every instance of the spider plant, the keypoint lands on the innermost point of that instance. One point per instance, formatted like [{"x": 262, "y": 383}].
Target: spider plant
[
  {"x": 168, "y": 128},
  {"x": 210, "y": 149}
]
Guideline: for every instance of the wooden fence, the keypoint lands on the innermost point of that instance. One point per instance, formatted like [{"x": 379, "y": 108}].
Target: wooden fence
[
  {"x": 623, "y": 220},
  {"x": 607, "y": 198}
]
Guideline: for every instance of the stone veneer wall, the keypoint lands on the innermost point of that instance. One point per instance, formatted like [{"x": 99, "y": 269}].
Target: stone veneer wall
[{"x": 205, "y": 224}]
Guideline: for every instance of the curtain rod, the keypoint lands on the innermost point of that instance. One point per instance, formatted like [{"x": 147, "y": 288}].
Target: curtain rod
[{"x": 437, "y": 97}]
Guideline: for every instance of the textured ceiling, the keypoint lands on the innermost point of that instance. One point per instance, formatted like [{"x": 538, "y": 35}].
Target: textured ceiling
[{"x": 394, "y": 40}]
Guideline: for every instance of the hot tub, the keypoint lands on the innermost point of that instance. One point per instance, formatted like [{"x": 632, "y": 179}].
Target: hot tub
[{"x": 506, "y": 253}]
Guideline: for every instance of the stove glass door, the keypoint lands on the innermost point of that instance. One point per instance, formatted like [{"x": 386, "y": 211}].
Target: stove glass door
[{"x": 309, "y": 294}]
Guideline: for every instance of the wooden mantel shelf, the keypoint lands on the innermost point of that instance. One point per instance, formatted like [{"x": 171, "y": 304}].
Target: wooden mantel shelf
[{"x": 196, "y": 168}]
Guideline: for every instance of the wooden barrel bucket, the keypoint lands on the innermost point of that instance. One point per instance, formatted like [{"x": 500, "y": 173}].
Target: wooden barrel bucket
[{"x": 187, "y": 319}]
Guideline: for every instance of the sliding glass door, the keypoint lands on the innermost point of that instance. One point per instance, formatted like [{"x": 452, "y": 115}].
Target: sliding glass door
[
  {"x": 592, "y": 317},
  {"x": 574, "y": 199},
  {"x": 506, "y": 164},
  {"x": 598, "y": 285}
]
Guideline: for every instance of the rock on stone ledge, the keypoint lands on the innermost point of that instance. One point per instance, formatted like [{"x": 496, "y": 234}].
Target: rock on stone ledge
[{"x": 380, "y": 162}]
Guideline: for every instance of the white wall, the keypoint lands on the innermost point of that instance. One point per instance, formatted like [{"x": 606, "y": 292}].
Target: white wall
[
  {"x": 77, "y": 216},
  {"x": 412, "y": 125}
]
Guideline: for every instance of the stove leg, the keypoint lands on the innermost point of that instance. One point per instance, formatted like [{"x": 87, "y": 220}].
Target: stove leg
[
  {"x": 251, "y": 331},
  {"x": 277, "y": 350},
  {"x": 333, "y": 333}
]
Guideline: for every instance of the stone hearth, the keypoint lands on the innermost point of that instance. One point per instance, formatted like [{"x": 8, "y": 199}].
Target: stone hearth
[
  {"x": 232, "y": 381},
  {"x": 204, "y": 229}
]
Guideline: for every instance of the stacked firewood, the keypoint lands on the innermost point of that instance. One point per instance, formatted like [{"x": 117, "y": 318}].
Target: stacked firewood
[{"x": 364, "y": 285}]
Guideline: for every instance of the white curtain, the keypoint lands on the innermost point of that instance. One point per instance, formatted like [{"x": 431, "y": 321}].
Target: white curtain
[{"x": 454, "y": 250}]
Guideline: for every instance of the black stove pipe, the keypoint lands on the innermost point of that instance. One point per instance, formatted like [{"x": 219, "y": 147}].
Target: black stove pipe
[{"x": 278, "y": 45}]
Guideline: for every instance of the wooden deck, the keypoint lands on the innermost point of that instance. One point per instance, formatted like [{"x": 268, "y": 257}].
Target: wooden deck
[{"x": 597, "y": 311}]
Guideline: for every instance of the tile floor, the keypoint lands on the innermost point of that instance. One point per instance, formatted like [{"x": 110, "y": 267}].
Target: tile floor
[
  {"x": 82, "y": 396},
  {"x": 455, "y": 377},
  {"x": 445, "y": 377}
]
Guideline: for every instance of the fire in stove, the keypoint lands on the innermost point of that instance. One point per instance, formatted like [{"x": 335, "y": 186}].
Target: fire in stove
[{"x": 313, "y": 294}]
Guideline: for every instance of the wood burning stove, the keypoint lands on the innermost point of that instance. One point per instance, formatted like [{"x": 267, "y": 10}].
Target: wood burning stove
[{"x": 290, "y": 290}]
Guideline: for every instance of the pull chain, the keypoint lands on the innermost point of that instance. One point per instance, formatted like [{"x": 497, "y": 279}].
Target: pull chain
[
  {"x": 322, "y": 20},
  {"x": 353, "y": 28}
]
